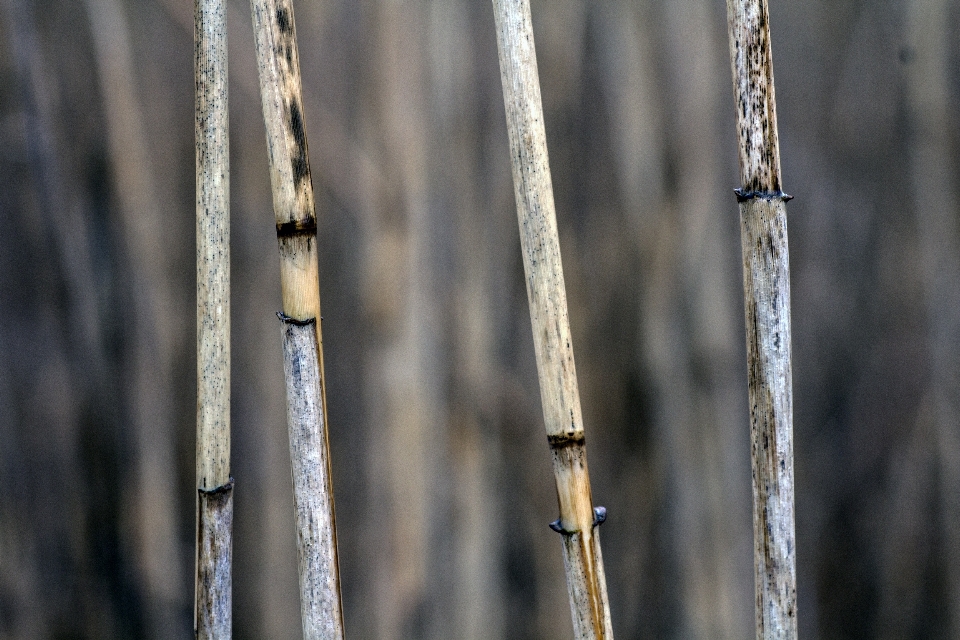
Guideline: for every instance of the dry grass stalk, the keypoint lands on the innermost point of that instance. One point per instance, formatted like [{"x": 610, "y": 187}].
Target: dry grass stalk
[
  {"x": 548, "y": 313},
  {"x": 215, "y": 487},
  {"x": 319, "y": 584},
  {"x": 766, "y": 286},
  {"x": 280, "y": 90},
  {"x": 213, "y": 617}
]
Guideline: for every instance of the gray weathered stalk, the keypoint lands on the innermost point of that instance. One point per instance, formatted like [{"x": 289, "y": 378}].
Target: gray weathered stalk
[
  {"x": 546, "y": 294},
  {"x": 313, "y": 498},
  {"x": 214, "y": 560},
  {"x": 766, "y": 289},
  {"x": 212, "y": 615},
  {"x": 293, "y": 205}
]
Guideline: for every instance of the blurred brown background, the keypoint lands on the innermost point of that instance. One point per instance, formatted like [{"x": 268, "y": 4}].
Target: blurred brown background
[{"x": 442, "y": 474}]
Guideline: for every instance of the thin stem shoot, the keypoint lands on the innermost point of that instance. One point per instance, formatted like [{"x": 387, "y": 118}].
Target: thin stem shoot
[
  {"x": 547, "y": 297},
  {"x": 766, "y": 289}
]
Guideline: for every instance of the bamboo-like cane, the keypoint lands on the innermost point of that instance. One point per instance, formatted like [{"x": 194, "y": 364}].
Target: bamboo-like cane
[
  {"x": 212, "y": 615},
  {"x": 766, "y": 289},
  {"x": 547, "y": 296},
  {"x": 293, "y": 204}
]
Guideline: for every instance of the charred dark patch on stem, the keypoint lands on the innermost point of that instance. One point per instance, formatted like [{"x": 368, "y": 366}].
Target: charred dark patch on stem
[
  {"x": 283, "y": 21},
  {"x": 300, "y": 163},
  {"x": 563, "y": 440},
  {"x": 293, "y": 228}
]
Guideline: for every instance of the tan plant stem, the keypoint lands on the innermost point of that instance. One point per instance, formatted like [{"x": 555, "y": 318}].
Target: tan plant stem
[
  {"x": 293, "y": 204},
  {"x": 546, "y": 294},
  {"x": 766, "y": 287},
  {"x": 214, "y": 484}
]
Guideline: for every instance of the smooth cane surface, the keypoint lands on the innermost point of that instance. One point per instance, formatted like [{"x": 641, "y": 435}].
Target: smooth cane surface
[
  {"x": 212, "y": 615},
  {"x": 296, "y": 223},
  {"x": 766, "y": 288},
  {"x": 312, "y": 486},
  {"x": 553, "y": 343}
]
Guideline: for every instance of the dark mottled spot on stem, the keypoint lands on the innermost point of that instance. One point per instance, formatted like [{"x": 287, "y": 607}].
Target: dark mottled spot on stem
[
  {"x": 301, "y": 167},
  {"x": 283, "y": 20},
  {"x": 292, "y": 228},
  {"x": 563, "y": 440}
]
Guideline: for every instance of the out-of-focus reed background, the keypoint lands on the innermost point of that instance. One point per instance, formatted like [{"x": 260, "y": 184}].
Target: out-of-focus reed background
[{"x": 442, "y": 474}]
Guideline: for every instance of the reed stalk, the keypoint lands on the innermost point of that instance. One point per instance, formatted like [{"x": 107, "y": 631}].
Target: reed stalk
[
  {"x": 293, "y": 204},
  {"x": 553, "y": 344},
  {"x": 766, "y": 289},
  {"x": 213, "y": 616}
]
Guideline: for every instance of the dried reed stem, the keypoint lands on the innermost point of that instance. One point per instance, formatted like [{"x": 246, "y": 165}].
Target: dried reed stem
[
  {"x": 293, "y": 204},
  {"x": 548, "y": 313},
  {"x": 319, "y": 584},
  {"x": 766, "y": 287},
  {"x": 215, "y": 487}
]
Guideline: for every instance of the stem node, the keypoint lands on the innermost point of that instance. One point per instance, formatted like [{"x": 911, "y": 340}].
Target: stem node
[{"x": 743, "y": 195}]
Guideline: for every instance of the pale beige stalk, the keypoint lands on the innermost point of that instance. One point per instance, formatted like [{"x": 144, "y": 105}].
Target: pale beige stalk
[
  {"x": 215, "y": 487},
  {"x": 293, "y": 204},
  {"x": 766, "y": 284},
  {"x": 546, "y": 294}
]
